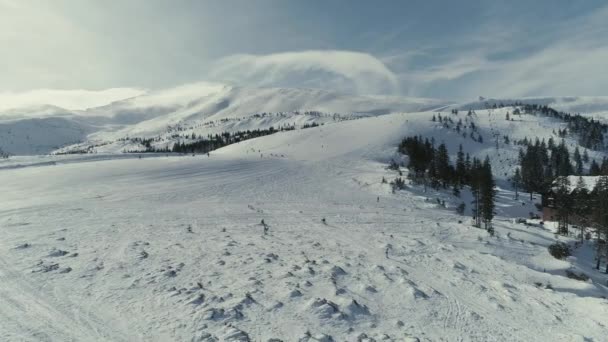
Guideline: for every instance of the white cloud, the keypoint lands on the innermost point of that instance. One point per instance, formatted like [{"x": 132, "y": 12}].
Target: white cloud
[
  {"x": 570, "y": 63},
  {"x": 68, "y": 99},
  {"x": 339, "y": 70}
]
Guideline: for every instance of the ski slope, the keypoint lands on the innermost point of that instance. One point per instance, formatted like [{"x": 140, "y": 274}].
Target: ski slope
[{"x": 172, "y": 248}]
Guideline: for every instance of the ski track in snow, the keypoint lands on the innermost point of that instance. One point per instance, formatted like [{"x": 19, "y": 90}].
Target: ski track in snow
[{"x": 172, "y": 249}]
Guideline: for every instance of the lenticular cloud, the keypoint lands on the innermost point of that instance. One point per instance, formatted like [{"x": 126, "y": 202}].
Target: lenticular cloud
[{"x": 347, "y": 71}]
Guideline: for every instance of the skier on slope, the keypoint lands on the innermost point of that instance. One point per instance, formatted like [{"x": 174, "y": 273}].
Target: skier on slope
[
  {"x": 265, "y": 226},
  {"x": 388, "y": 247}
]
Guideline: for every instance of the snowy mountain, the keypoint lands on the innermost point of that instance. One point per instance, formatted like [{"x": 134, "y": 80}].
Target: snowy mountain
[{"x": 200, "y": 108}]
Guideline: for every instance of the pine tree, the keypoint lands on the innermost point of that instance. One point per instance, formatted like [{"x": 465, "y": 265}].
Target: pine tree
[
  {"x": 461, "y": 168},
  {"x": 488, "y": 194},
  {"x": 532, "y": 171},
  {"x": 563, "y": 203},
  {"x": 476, "y": 189},
  {"x": 467, "y": 167},
  {"x": 594, "y": 169},
  {"x": 551, "y": 143},
  {"x": 585, "y": 156},
  {"x": 604, "y": 167},
  {"x": 600, "y": 194},
  {"x": 433, "y": 175},
  {"x": 516, "y": 181},
  {"x": 442, "y": 163},
  {"x": 581, "y": 207},
  {"x": 578, "y": 161}
]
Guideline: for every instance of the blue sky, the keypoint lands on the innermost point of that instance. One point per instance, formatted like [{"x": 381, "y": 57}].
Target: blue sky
[{"x": 449, "y": 49}]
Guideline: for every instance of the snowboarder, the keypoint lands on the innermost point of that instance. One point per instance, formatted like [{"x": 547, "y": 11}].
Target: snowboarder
[
  {"x": 378, "y": 199},
  {"x": 323, "y": 220}
]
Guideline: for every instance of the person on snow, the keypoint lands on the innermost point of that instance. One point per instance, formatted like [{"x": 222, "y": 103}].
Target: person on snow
[{"x": 388, "y": 247}]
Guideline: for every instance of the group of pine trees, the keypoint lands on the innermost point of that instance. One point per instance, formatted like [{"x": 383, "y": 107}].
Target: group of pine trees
[
  {"x": 542, "y": 162},
  {"x": 599, "y": 208},
  {"x": 546, "y": 168},
  {"x": 590, "y": 132},
  {"x": 589, "y": 208},
  {"x": 191, "y": 143},
  {"x": 460, "y": 126},
  {"x": 3, "y": 155},
  {"x": 201, "y": 144},
  {"x": 213, "y": 142},
  {"x": 431, "y": 165}
]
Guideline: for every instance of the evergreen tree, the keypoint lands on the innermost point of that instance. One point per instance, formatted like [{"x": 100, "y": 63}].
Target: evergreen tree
[
  {"x": 442, "y": 163},
  {"x": 604, "y": 167},
  {"x": 461, "y": 168},
  {"x": 551, "y": 143},
  {"x": 561, "y": 159},
  {"x": 516, "y": 181},
  {"x": 488, "y": 194},
  {"x": 532, "y": 171},
  {"x": 433, "y": 175},
  {"x": 578, "y": 161},
  {"x": 594, "y": 169},
  {"x": 563, "y": 203},
  {"x": 581, "y": 206},
  {"x": 600, "y": 194},
  {"x": 476, "y": 188},
  {"x": 467, "y": 167}
]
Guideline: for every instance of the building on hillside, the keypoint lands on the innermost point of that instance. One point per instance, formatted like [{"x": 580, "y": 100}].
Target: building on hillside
[{"x": 548, "y": 200}]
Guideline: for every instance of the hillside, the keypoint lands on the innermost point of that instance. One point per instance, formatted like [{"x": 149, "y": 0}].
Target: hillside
[
  {"x": 173, "y": 247},
  {"x": 200, "y": 108}
]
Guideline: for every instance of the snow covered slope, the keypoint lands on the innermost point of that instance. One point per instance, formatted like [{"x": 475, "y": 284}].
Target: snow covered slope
[
  {"x": 569, "y": 104},
  {"x": 40, "y": 136},
  {"x": 173, "y": 249}
]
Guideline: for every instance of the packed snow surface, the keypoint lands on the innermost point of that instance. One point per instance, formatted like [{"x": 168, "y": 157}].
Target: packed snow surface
[{"x": 97, "y": 248}]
